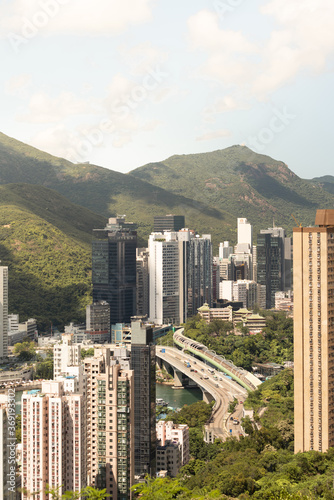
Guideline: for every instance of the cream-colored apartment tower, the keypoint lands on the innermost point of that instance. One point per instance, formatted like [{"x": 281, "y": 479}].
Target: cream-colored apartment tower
[
  {"x": 53, "y": 441},
  {"x": 313, "y": 278},
  {"x": 110, "y": 403}
]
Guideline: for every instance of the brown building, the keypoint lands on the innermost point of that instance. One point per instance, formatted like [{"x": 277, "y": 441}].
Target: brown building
[{"x": 313, "y": 276}]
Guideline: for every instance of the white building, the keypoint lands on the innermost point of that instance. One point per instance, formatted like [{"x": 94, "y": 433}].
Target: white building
[
  {"x": 245, "y": 233},
  {"x": 226, "y": 290},
  {"x": 176, "y": 433},
  {"x": 225, "y": 250},
  {"x": 3, "y": 311},
  {"x": 164, "y": 278},
  {"x": 64, "y": 355}
]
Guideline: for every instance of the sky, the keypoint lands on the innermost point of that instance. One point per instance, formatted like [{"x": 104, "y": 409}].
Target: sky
[{"x": 121, "y": 83}]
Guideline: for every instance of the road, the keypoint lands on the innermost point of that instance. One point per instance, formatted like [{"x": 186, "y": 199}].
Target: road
[{"x": 222, "y": 389}]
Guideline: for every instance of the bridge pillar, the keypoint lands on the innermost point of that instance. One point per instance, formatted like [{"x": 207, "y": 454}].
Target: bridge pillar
[
  {"x": 178, "y": 382},
  {"x": 207, "y": 398}
]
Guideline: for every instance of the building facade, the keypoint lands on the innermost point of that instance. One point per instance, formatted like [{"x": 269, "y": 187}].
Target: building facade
[
  {"x": 110, "y": 422},
  {"x": 114, "y": 268},
  {"x": 3, "y": 311},
  {"x": 53, "y": 441},
  {"x": 313, "y": 277},
  {"x": 143, "y": 366}
]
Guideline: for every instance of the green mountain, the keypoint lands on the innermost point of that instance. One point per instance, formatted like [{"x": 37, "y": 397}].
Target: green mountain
[
  {"x": 325, "y": 182},
  {"x": 45, "y": 241},
  {"x": 109, "y": 193},
  {"x": 242, "y": 183}
]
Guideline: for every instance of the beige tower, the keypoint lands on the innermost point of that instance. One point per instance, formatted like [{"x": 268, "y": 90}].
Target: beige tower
[
  {"x": 110, "y": 403},
  {"x": 3, "y": 311},
  {"x": 313, "y": 277}
]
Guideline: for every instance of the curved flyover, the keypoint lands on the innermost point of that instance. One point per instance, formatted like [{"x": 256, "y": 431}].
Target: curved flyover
[{"x": 241, "y": 376}]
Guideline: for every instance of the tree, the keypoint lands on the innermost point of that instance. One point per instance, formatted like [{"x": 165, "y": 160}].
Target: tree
[
  {"x": 87, "y": 353},
  {"x": 25, "y": 350}
]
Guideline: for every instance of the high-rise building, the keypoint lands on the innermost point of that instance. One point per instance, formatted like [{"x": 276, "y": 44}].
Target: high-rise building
[
  {"x": 164, "y": 278},
  {"x": 53, "y": 440},
  {"x": 143, "y": 297},
  {"x": 225, "y": 250},
  {"x": 110, "y": 420},
  {"x": 168, "y": 223},
  {"x": 65, "y": 354},
  {"x": 143, "y": 365},
  {"x": 245, "y": 235},
  {"x": 98, "y": 321},
  {"x": 271, "y": 259},
  {"x": 114, "y": 268},
  {"x": 313, "y": 278},
  {"x": 199, "y": 274},
  {"x": 3, "y": 311}
]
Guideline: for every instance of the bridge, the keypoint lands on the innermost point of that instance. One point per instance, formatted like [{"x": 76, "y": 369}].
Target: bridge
[
  {"x": 214, "y": 385},
  {"x": 241, "y": 376}
]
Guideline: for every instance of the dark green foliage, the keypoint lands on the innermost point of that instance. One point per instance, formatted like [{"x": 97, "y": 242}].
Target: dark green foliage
[
  {"x": 242, "y": 182},
  {"x": 18, "y": 428},
  {"x": 25, "y": 350},
  {"x": 44, "y": 369},
  {"x": 86, "y": 353},
  {"x": 276, "y": 344},
  {"x": 48, "y": 254}
]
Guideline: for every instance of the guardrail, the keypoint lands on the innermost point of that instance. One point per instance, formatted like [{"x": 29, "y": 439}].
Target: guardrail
[{"x": 239, "y": 375}]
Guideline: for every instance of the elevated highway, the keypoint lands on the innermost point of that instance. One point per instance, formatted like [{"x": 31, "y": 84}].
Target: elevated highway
[
  {"x": 214, "y": 385},
  {"x": 241, "y": 376}
]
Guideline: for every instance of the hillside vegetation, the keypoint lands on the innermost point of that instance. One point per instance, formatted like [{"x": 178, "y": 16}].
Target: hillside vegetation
[
  {"x": 241, "y": 182},
  {"x": 46, "y": 243}
]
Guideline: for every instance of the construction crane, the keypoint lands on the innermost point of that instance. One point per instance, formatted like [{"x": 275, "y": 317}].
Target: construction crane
[{"x": 298, "y": 223}]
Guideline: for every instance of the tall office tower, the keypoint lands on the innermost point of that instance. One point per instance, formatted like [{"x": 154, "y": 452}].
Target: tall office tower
[
  {"x": 168, "y": 223},
  {"x": 271, "y": 262},
  {"x": 241, "y": 266},
  {"x": 215, "y": 278},
  {"x": 53, "y": 440},
  {"x": 225, "y": 266},
  {"x": 3, "y": 311},
  {"x": 143, "y": 297},
  {"x": 65, "y": 354},
  {"x": 313, "y": 279},
  {"x": 98, "y": 321},
  {"x": 199, "y": 274},
  {"x": 288, "y": 260},
  {"x": 225, "y": 250},
  {"x": 114, "y": 268},
  {"x": 245, "y": 235},
  {"x": 110, "y": 403},
  {"x": 164, "y": 278},
  {"x": 143, "y": 365},
  {"x": 245, "y": 291}
]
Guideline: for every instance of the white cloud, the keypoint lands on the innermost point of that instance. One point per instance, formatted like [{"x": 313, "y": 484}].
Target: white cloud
[
  {"x": 215, "y": 134},
  {"x": 142, "y": 57},
  {"x": 228, "y": 51},
  {"x": 18, "y": 85},
  {"x": 78, "y": 17},
  {"x": 302, "y": 40},
  {"x": 45, "y": 109}
]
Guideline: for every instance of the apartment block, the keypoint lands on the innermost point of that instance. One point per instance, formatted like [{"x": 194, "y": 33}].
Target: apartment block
[
  {"x": 313, "y": 277},
  {"x": 110, "y": 423},
  {"x": 3, "y": 311},
  {"x": 65, "y": 354},
  {"x": 53, "y": 440}
]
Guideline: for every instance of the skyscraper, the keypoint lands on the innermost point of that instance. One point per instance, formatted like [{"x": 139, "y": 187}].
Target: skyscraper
[
  {"x": 164, "y": 278},
  {"x": 3, "y": 311},
  {"x": 53, "y": 440},
  {"x": 168, "y": 223},
  {"x": 313, "y": 277},
  {"x": 114, "y": 268},
  {"x": 110, "y": 422},
  {"x": 273, "y": 262},
  {"x": 143, "y": 365}
]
